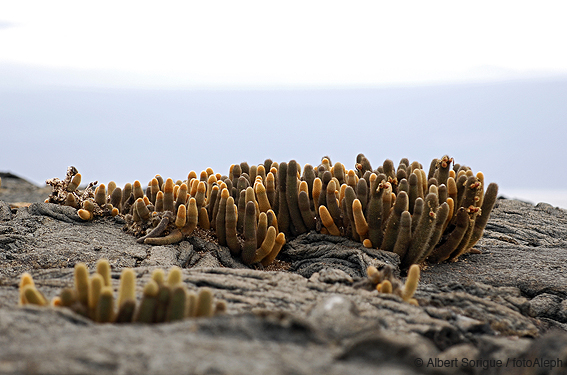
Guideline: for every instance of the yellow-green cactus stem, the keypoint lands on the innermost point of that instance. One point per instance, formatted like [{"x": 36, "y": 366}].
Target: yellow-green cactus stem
[
  {"x": 471, "y": 195},
  {"x": 305, "y": 209},
  {"x": 338, "y": 172},
  {"x": 283, "y": 210},
  {"x": 241, "y": 210},
  {"x": 25, "y": 279},
  {"x": 159, "y": 201},
  {"x": 403, "y": 237},
  {"x": 142, "y": 209},
  {"x": 67, "y": 297},
  {"x": 230, "y": 223},
  {"x": 393, "y": 223},
  {"x": 374, "y": 213},
  {"x": 489, "y": 199},
  {"x": 278, "y": 244},
  {"x": 137, "y": 190},
  {"x": 261, "y": 229},
  {"x": 417, "y": 212},
  {"x": 127, "y": 286},
  {"x": 328, "y": 222},
  {"x": 351, "y": 179},
  {"x": 158, "y": 275},
  {"x": 146, "y": 310},
  {"x": 204, "y": 303},
  {"x": 463, "y": 245},
  {"x": 70, "y": 200},
  {"x": 200, "y": 195},
  {"x": 411, "y": 283},
  {"x": 271, "y": 188},
  {"x": 267, "y": 245},
  {"x": 74, "y": 183},
  {"x": 174, "y": 236},
  {"x": 192, "y": 218},
  {"x": 360, "y": 223},
  {"x": 96, "y": 283},
  {"x": 437, "y": 231},
  {"x": 81, "y": 276},
  {"x": 191, "y": 305},
  {"x": 262, "y": 197},
  {"x": 176, "y": 308},
  {"x": 444, "y": 167},
  {"x": 126, "y": 192},
  {"x": 250, "y": 240},
  {"x": 350, "y": 196},
  {"x": 168, "y": 201},
  {"x": 100, "y": 195},
  {"x": 174, "y": 276},
  {"x": 103, "y": 269},
  {"x": 326, "y": 177},
  {"x": 105, "y": 306},
  {"x": 203, "y": 219},
  {"x": 385, "y": 287},
  {"x": 443, "y": 251},
  {"x": 154, "y": 188},
  {"x": 272, "y": 219},
  {"x": 333, "y": 204},
  {"x": 116, "y": 198},
  {"x": 461, "y": 184},
  {"x": 422, "y": 232},
  {"x": 316, "y": 192},
  {"x": 413, "y": 192},
  {"x": 33, "y": 296},
  {"x": 181, "y": 196},
  {"x": 126, "y": 312},
  {"x": 163, "y": 298},
  {"x": 292, "y": 195},
  {"x": 211, "y": 201},
  {"x": 220, "y": 225},
  {"x": 181, "y": 217},
  {"x": 362, "y": 192}
]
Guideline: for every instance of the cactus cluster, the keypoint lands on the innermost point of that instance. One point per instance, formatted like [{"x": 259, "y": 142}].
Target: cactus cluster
[
  {"x": 433, "y": 216},
  {"x": 385, "y": 282},
  {"x": 164, "y": 299},
  {"x": 422, "y": 216}
]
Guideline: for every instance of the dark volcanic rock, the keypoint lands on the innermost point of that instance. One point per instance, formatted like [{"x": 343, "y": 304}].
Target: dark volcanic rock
[{"x": 508, "y": 303}]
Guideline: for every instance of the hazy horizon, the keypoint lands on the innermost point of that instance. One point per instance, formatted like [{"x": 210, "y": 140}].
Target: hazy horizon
[{"x": 512, "y": 131}]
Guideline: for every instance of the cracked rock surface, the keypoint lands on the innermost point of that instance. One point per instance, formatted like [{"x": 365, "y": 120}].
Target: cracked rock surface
[{"x": 508, "y": 303}]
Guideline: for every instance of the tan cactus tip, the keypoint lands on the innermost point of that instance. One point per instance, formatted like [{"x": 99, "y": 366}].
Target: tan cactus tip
[
  {"x": 174, "y": 276},
  {"x": 158, "y": 275},
  {"x": 411, "y": 283},
  {"x": 385, "y": 287},
  {"x": 84, "y": 214}
]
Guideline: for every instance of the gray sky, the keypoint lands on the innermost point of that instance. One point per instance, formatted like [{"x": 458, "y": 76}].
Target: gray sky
[{"x": 296, "y": 43}]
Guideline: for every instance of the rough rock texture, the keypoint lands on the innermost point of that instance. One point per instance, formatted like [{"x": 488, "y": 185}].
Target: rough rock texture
[{"x": 508, "y": 303}]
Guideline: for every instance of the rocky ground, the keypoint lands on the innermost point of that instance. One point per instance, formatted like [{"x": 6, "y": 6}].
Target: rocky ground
[{"x": 501, "y": 311}]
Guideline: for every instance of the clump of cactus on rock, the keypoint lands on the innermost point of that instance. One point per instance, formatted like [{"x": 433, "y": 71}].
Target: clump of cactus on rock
[{"x": 431, "y": 216}]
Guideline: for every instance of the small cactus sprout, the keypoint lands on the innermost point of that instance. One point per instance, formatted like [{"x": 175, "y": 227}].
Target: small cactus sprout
[
  {"x": 32, "y": 296},
  {"x": 411, "y": 283}
]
